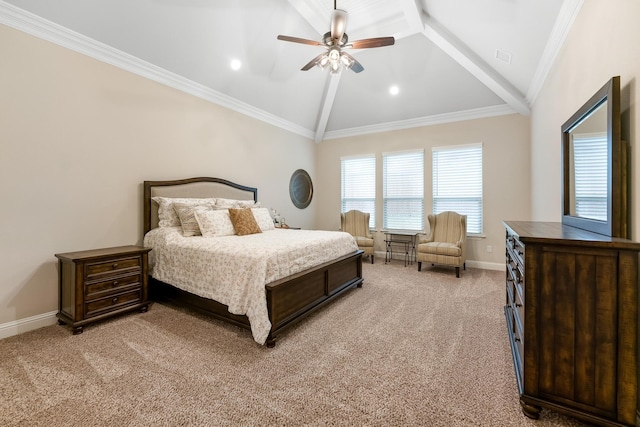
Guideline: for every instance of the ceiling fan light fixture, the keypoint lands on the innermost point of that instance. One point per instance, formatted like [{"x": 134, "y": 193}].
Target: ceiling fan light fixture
[
  {"x": 346, "y": 61},
  {"x": 335, "y": 40}
]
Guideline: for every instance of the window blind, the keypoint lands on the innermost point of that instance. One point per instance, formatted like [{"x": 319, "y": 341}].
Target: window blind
[
  {"x": 359, "y": 185},
  {"x": 403, "y": 190},
  {"x": 590, "y": 172},
  {"x": 457, "y": 183}
]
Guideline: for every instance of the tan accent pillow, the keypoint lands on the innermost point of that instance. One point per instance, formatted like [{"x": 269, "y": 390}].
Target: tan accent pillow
[{"x": 244, "y": 222}]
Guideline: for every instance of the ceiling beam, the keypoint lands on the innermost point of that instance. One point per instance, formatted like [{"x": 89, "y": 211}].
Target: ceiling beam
[
  {"x": 475, "y": 65},
  {"x": 327, "y": 104}
]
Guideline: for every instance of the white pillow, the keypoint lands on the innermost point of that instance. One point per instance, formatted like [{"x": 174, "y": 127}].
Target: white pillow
[
  {"x": 263, "y": 218},
  {"x": 235, "y": 204},
  {"x": 215, "y": 223},
  {"x": 167, "y": 216}
]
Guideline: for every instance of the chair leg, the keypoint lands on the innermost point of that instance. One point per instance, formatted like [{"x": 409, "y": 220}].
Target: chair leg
[
  {"x": 464, "y": 265},
  {"x": 372, "y": 258},
  {"x": 419, "y": 265},
  {"x": 458, "y": 272}
]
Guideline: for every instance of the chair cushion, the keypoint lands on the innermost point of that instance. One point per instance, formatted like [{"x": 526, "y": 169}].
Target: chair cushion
[
  {"x": 363, "y": 242},
  {"x": 440, "y": 248}
]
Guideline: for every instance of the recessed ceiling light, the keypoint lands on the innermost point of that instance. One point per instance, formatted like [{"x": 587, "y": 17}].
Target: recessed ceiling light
[
  {"x": 236, "y": 64},
  {"x": 393, "y": 90}
]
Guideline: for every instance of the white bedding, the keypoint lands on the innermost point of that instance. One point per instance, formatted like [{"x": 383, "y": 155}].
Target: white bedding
[{"x": 234, "y": 270}]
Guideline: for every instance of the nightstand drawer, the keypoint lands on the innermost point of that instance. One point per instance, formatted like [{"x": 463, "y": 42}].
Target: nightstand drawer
[
  {"x": 113, "y": 302},
  {"x": 111, "y": 285},
  {"x": 112, "y": 266}
]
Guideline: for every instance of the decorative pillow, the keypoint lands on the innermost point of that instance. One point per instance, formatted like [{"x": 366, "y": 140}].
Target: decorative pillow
[
  {"x": 235, "y": 204},
  {"x": 186, "y": 214},
  {"x": 263, "y": 218},
  {"x": 167, "y": 216},
  {"x": 215, "y": 223},
  {"x": 244, "y": 222}
]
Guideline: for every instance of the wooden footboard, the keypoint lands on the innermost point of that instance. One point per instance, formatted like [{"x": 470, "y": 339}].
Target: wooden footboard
[{"x": 288, "y": 300}]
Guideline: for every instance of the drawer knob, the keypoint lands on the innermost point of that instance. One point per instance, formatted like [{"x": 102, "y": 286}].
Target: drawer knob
[
  {"x": 114, "y": 300},
  {"x": 115, "y": 283},
  {"x": 115, "y": 265}
]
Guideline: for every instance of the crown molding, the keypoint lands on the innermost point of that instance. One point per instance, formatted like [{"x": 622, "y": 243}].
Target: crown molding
[
  {"x": 34, "y": 25},
  {"x": 437, "y": 119},
  {"x": 568, "y": 13}
]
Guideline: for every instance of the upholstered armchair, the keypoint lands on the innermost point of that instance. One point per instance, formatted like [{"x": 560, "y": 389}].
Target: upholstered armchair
[
  {"x": 446, "y": 242},
  {"x": 356, "y": 223}
]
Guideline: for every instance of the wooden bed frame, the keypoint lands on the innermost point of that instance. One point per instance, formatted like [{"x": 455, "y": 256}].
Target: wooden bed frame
[{"x": 288, "y": 299}]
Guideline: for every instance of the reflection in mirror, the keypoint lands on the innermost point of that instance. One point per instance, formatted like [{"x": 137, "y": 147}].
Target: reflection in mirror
[
  {"x": 588, "y": 166},
  {"x": 594, "y": 166}
]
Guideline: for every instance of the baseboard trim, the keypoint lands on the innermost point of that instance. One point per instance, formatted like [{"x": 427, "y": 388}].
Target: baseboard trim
[
  {"x": 16, "y": 327},
  {"x": 498, "y": 266},
  {"x": 470, "y": 263}
]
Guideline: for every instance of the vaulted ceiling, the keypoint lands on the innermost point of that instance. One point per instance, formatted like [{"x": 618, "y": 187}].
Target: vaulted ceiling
[{"x": 452, "y": 60}]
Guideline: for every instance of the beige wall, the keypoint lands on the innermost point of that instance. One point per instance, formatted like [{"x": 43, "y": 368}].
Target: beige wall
[
  {"x": 78, "y": 138},
  {"x": 603, "y": 42},
  {"x": 506, "y": 173}
]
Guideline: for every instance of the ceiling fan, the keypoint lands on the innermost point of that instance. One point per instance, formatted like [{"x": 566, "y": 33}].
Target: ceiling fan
[{"x": 335, "y": 42}]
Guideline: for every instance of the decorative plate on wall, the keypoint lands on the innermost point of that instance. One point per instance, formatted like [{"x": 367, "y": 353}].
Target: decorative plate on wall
[{"x": 300, "y": 189}]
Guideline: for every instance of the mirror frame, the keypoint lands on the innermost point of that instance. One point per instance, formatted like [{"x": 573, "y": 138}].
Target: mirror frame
[{"x": 616, "y": 223}]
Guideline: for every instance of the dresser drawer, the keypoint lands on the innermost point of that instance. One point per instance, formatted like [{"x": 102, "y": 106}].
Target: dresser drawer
[
  {"x": 518, "y": 313},
  {"x": 515, "y": 335},
  {"x": 111, "y": 285},
  {"x": 519, "y": 340},
  {"x": 112, "y": 266},
  {"x": 113, "y": 302}
]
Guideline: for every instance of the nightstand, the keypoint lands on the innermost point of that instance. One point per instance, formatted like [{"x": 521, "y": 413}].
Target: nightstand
[{"x": 100, "y": 283}]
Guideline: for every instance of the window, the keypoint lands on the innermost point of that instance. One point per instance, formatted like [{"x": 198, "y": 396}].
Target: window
[
  {"x": 403, "y": 190},
  {"x": 590, "y": 171},
  {"x": 359, "y": 185},
  {"x": 457, "y": 183}
]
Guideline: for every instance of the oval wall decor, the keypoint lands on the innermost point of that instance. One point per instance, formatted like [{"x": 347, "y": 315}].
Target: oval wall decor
[{"x": 300, "y": 189}]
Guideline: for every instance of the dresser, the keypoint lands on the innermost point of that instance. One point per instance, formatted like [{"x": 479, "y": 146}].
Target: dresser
[
  {"x": 101, "y": 283},
  {"x": 572, "y": 317}
]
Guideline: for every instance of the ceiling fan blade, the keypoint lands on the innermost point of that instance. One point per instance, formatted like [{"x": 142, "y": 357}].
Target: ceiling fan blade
[
  {"x": 313, "y": 62},
  {"x": 299, "y": 40},
  {"x": 374, "y": 42},
  {"x": 356, "y": 67},
  {"x": 338, "y": 25}
]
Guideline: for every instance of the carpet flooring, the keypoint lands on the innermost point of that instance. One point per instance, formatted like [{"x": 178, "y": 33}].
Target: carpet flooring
[{"x": 407, "y": 349}]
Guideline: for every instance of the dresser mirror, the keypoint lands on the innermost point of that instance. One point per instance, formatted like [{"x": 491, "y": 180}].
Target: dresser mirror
[{"x": 594, "y": 166}]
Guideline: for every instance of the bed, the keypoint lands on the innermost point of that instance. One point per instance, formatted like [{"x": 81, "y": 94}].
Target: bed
[{"x": 294, "y": 292}]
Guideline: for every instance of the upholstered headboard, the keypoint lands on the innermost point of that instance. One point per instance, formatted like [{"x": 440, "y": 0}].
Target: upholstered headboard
[{"x": 191, "y": 187}]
